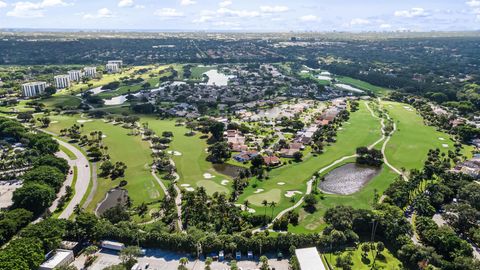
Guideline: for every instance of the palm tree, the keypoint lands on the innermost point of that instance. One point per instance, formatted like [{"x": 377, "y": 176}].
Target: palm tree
[
  {"x": 246, "y": 205},
  {"x": 208, "y": 262},
  {"x": 265, "y": 203},
  {"x": 183, "y": 262},
  {"x": 272, "y": 205}
]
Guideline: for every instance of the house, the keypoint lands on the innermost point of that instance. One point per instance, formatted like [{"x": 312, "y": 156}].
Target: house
[
  {"x": 470, "y": 167},
  {"x": 245, "y": 156},
  {"x": 271, "y": 160},
  {"x": 236, "y": 147},
  {"x": 288, "y": 153},
  {"x": 297, "y": 146},
  {"x": 60, "y": 257}
]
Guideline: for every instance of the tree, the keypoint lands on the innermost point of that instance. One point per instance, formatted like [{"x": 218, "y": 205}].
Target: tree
[
  {"x": 208, "y": 262},
  {"x": 216, "y": 129},
  {"x": 219, "y": 152},
  {"x": 116, "y": 214},
  {"x": 310, "y": 202},
  {"x": 265, "y": 203},
  {"x": 273, "y": 205},
  {"x": 183, "y": 262},
  {"x": 264, "y": 262},
  {"x": 35, "y": 197},
  {"x": 47, "y": 175},
  {"x": 52, "y": 161},
  {"x": 129, "y": 256},
  {"x": 66, "y": 267},
  {"x": 233, "y": 265},
  {"x": 22, "y": 253},
  {"x": 106, "y": 168},
  {"x": 297, "y": 156}
]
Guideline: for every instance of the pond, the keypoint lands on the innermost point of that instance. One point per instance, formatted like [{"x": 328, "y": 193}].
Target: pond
[
  {"x": 348, "y": 179},
  {"x": 227, "y": 169},
  {"x": 114, "y": 196},
  {"x": 217, "y": 78}
]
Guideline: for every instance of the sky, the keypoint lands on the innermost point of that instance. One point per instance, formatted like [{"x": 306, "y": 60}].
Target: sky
[{"x": 243, "y": 15}]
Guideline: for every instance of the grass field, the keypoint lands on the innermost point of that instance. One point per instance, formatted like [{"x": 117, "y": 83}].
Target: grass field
[
  {"x": 361, "y": 130},
  {"x": 58, "y": 100},
  {"x": 191, "y": 164},
  {"x": 69, "y": 153},
  {"x": 363, "y": 85},
  {"x": 386, "y": 262},
  {"x": 141, "y": 186},
  {"x": 409, "y": 146},
  {"x": 197, "y": 71}
]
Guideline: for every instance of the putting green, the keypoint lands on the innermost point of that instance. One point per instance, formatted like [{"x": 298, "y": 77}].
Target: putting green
[
  {"x": 212, "y": 187},
  {"x": 272, "y": 195}
]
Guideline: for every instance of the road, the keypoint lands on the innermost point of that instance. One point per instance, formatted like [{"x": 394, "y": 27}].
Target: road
[{"x": 83, "y": 178}]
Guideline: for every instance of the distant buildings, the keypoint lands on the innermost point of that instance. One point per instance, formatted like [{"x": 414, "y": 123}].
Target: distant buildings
[
  {"x": 470, "y": 167},
  {"x": 33, "y": 89},
  {"x": 90, "y": 72},
  {"x": 112, "y": 68},
  {"x": 119, "y": 63},
  {"x": 62, "y": 81},
  {"x": 75, "y": 75}
]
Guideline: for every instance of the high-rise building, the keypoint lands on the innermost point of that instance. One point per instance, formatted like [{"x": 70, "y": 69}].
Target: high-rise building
[
  {"x": 90, "y": 72},
  {"x": 118, "y": 62},
  {"x": 33, "y": 88},
  {"x": 75, "y": 75},
  {"x": 62, "y": 81},
  {"x": 112, "y": 68}
]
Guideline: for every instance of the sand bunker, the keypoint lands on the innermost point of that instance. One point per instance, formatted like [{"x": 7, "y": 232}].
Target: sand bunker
[
  {"x": 250, "y": 210},
  {"x": 104, "y": 136},
  {"x": 53, "y": 122},
  {"x": 407, "y": 108},
  {"x": 348, "y": 179},
  {"x": 445, "y": 145},
  {"x": 225, "y": 182},
  {"x": 292, "y": 193},
  {"x": 441, "y": 139},
  {"x": 175, "y": 153},
  {"x": 190, "y": 189},
  {"x": 185, "y": 185},
  {"x": 281, "y": 183},
  {"x": 258, "y": 190},
  {"x": 208, "y": 176},
  {"x": 83, "y": 121}
]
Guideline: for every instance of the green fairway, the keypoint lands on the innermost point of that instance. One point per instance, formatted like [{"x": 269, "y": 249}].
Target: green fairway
[
  {"x": 141, "y": 186},
  {"x": 409, "y": 146},
  {"x": 384, "y": 261},
  {"x": 361, "y": 130},
  {"x": 61, "y": 100},
  {"x": 197, "y": 71},
  {"x": 273, "y": 195},
  {"x": 191, "y": 164},
  {"x": 363, "y": 85}
]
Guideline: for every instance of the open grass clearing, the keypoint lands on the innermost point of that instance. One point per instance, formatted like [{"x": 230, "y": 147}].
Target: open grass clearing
[{"x": 363, "y": 85}]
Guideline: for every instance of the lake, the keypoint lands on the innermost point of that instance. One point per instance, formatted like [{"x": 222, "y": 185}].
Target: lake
[{"x": 348, "y": 179}]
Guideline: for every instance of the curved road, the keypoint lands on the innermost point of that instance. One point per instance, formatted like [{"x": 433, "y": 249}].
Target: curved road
[{"x": 83, "y": 178}]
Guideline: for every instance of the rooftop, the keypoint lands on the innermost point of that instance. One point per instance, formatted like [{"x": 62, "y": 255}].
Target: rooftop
[{"x": 309, "y": 259}]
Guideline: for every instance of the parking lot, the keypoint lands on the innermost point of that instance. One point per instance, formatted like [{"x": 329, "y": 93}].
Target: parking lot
[
  {"x": 164, "y": 260},
  {"x": 6, "y": 192}
]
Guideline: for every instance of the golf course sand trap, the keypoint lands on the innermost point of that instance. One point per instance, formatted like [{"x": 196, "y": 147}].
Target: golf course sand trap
[
  {"x": 175, "y": 153},
  {"x": 250, "y": 210},
  {"x": 83, "y": 121},
  {"x": 258, "y": 190},
  {"x": 348, "y": 179},
  {"x": 281, "y": 183},
  {"x": 190, "y": 189},
  {"x": 185, "y": 185},
  {"x": 441, "y": 139},
  {"x": 53, "y": 122},
  {"x": 291, "y": 193},
  {"x": 225, "y": 182},
  {"x": 445, "y": 145},
  {"x": 104, "y": 136},
  {"x": 208, "y": 176}
]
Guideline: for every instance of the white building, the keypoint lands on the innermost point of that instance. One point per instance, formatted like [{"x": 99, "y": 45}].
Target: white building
[
  {"x": 90, "y": 72},
  {"x": 112, "y": 68},
  {"x": 118, "y": 62},
  {"x": 62, "y": 81},
  {"x": 75, "y": 75},
  {"x": 33, "y": 88},
  {"x": 61, "y": 257},
  {"x": 309, "y": 259}
]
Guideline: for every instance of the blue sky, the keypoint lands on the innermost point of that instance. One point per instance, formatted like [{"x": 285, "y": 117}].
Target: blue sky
[{"x": 252, "y": 15}]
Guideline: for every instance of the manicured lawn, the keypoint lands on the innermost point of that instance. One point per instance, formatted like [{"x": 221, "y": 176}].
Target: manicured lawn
[
  {"x": 58, "y": 100},
  {"x": 141, "y": 186},
  {"x": 191, "y": 164},
  {"x": 385, "y": 260},
  {"x": 197, "y": 71},
  {"x": 361, "y": 130},
  {"x": 69, "y": 153},
  {"x": 363, "y": 85},
  {"x": 409, "y": 146}
]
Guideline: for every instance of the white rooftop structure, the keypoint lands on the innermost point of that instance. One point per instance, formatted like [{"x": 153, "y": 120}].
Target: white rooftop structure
[
  {"x": 61, "y": 257},
  {"x": 309, "y": 259}
]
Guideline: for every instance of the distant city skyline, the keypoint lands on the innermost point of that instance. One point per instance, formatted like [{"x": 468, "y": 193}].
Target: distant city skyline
[{"x": 243, "y": 15}]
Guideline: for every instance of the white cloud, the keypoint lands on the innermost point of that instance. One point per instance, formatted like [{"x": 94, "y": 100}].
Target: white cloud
[
  {"x": 473, "y": 3},
  {"x": 2, "y": 4},
  {"x": 101, "y": 13},
  {"x": 203, "y": 19},
  {"x": 412, "y": 13},
  {"x": 33, "y": 9},
  {"x": 237, "y": 13},
  {"x": 359, "y": 21},
  {"x": 225, "y": 3},
  {"x": 273, "y": 9},
  {"x": 187, "y": 2},
  {"x": 385, "y": 26},
  {"x": 168, "y": 13},
  {"x": 126, "y": 3},
  {"x": 309, "y": 18}
]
